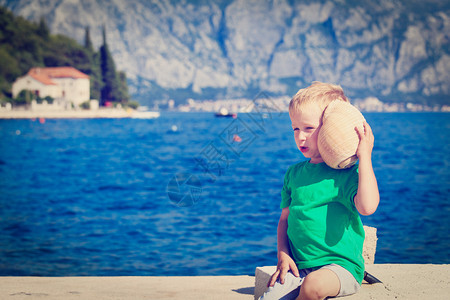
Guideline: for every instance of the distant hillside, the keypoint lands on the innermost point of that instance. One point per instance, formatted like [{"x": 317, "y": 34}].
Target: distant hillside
[
  {"x": 24, "y": 44},
  {"x": 394, "y": 50}
]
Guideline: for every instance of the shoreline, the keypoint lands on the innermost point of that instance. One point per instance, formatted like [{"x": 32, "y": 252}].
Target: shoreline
[
  {"x": 107, "y": 113},
  {"x": 400, "y": 281},
  {"x": 111, "y": 113}
]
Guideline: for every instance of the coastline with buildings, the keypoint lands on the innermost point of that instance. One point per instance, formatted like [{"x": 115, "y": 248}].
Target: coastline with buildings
[
  {"x": 369, "y": 104},
  {"x": 60, "y": 109},
  {"x": 64, "y": 92},
  {"x": 48, "y": 111},
  {"x": 66, "y": 86}
]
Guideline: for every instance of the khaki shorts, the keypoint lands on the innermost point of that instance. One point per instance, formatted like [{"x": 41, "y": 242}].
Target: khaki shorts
[{"x": 291, "y": 287}]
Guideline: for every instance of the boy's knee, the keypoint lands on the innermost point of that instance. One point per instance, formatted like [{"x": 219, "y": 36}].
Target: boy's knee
[
  {"x": 318, "y": 286},
  {"x": 313, "y": 288}
]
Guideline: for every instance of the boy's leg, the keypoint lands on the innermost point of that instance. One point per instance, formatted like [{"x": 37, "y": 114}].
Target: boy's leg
[
  {"x": 349, "y": 285},
  {"x": 332, "y": 280},
  {"x": 320, "y": 284}
]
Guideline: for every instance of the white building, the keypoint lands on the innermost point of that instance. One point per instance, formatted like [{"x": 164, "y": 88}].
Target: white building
[{"x": 66, "y": 85}]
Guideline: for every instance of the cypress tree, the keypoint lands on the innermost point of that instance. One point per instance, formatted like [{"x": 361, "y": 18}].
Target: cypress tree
[
  {"x": 94, "y": 72},
  {"x": 96, "y": 77},
  {"x": 108, "y": 69},
  {"x": 43, "y": 30},
  {"x": 123, "y": 87},
  {"x": 87, "y": 40}
]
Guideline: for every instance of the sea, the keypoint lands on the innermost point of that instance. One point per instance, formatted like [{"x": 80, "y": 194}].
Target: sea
[{"x": 191, "y": 194}]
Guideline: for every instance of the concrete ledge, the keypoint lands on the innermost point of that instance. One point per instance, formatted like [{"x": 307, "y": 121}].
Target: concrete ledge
[
  {"x": 262, "y": 277},
  {"x": 370, "y": 245},
  {"x": 399, "y": 282},
  {"x": 408, "y": 282},
  {"x": 102, "y": 288}
]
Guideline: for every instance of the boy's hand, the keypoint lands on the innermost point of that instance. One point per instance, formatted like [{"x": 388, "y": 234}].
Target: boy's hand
[
  {"x": 285, "y": 263},
  {"x": 366, "y": 141}
]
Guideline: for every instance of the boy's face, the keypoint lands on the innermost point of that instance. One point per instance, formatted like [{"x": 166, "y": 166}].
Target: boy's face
[{"x": 306, "y": 125}]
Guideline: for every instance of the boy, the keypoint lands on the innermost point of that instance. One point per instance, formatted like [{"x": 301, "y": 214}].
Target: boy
[{"x": 320, "y": 234}]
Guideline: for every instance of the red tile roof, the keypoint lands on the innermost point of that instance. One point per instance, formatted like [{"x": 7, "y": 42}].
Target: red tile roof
[{"x": 45, "y": 75}]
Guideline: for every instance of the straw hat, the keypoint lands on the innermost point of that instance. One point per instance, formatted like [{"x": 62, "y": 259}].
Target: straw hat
[{"x": 338, "y": 139}]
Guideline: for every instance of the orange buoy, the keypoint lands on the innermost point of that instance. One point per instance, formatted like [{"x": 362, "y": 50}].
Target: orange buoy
[{"x": 237, "y": 138}]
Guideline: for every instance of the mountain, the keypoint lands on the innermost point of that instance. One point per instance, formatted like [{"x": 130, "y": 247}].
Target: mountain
[{"x": 394, "y": 50}]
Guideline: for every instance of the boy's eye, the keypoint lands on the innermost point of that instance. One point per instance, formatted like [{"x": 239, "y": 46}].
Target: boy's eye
[{"x": 295, "y": 129}]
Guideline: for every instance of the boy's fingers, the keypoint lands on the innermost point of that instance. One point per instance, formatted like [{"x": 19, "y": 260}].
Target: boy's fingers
[
  {"x": 273, "y": 278},
  {"x": 367, "y": 128},
  {"x": 360, "y": 134},
  {"x": 282, "y": 275},
  {"x": 368, "y": 131},
  {"x": 294, "y": 270}
]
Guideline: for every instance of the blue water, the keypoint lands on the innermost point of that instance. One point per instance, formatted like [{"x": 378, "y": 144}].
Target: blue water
[{"x": 89, "y": 197}]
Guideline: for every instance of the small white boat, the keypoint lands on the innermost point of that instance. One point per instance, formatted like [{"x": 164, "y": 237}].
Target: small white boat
[
  {"x": 145, "y": 114},
  {"x": 223, "y": 113}
]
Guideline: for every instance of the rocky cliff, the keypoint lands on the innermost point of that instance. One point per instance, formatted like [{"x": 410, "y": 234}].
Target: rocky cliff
[{"x": 394, "y": 50}]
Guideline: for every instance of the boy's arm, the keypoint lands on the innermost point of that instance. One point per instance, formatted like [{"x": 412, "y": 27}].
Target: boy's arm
[
  {"x": 368, "y": 196},
  {"x": 285, "y": 261}
]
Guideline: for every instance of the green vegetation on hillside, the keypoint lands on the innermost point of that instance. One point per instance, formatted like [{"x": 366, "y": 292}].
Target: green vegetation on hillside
[{"x": 24, "y": 45}]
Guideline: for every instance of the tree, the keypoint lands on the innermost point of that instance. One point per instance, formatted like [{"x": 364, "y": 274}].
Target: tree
[
  {"x": 9, "y": 71},
  {"x": 93, "y": 71},
  {"x": 123, "y": 87},
  {"x": 108, "y": 69},
  {"x": 87, "y": 40},
  {"x": 24, "y": 97},
  {"x": 95, "y": 77},
  {"x": 49, "y": 99},
  {"x": 43, "y": 30}
]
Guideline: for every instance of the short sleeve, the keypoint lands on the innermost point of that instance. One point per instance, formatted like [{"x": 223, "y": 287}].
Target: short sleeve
[
  {"x": 352, "y": 187},
  {"x": 286, "y": 191}
]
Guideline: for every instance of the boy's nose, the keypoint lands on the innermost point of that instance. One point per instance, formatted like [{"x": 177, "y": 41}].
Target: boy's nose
[{"x": 301, "y": 135}]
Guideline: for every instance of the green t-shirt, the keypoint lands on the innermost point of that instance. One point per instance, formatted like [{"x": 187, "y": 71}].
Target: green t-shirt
[{"x": 324, "y": 226}]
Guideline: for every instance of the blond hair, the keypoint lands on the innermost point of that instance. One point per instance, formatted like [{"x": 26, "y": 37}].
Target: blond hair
[{"x": 319, "y": 93}]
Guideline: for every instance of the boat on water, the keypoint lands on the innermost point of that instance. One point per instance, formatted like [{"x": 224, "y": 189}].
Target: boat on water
[
  {"x": 223, "y": 113},
  {"x": 143, "y": 113}
]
